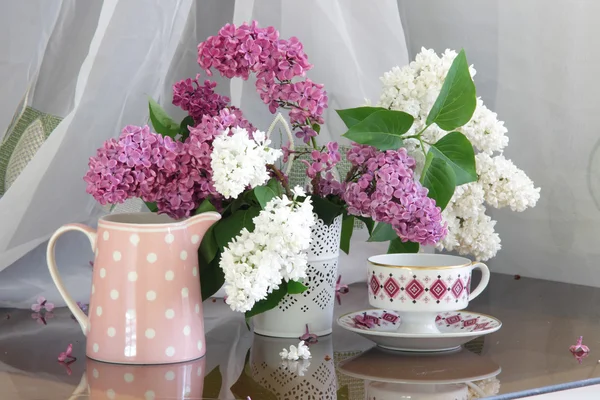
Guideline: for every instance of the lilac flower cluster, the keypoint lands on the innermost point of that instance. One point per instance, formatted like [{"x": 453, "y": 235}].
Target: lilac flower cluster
[
  {"x": 322, "y": 161},
  {"x": 176, "y": 175},
  {"x": 387, "y": 192},
  {"x": 239, "y": 51},
  {"x": 198, "y": 100}
]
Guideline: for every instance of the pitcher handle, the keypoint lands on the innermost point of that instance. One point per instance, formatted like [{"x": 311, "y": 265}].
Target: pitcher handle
[
  {"x": 75, "y": 310},
  {"x": 485, "y": 279}
]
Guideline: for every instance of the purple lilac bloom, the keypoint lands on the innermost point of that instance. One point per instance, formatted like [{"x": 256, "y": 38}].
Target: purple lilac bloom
[
  {"x": 175, "y": 175},
  {"x": 387, "y": 192},
  {"x": 198, "y": 100},
  {"x": 239, "y": 51}
]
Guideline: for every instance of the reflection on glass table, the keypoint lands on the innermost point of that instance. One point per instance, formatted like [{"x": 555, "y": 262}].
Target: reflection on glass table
[{"x": 541, "y": 320}]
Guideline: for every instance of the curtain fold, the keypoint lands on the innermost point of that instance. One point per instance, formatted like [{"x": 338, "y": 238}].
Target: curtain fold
[{"x": 96, "y": 63}]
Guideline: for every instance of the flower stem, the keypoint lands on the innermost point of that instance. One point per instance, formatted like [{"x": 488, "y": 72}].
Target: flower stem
[{"x": 281, "y": 178}]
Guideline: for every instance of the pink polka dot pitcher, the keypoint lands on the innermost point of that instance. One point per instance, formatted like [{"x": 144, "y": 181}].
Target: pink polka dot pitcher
[{"x": 146, "y": 306}]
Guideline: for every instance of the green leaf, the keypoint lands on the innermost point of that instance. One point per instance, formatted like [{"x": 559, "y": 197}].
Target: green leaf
[
  {"x": 264, "y": 194},
  {"x": 457, "y": 100},
  {"x": 295, "y": 287},
  {"x": 212, "y": 384},
  {"x": 270, "y": 302},
  {"x": 205, "y": 206},
  {"x": 456, "y": 150},
  {"x": 369, "y": 223},
  {"x": 212, "y": 278},
  {"x": 316, "y": 128},
  {"x": 161, "y": 122},
  {"x": 208, "y": 247},
  {"x": 347, "y": 229},
  {"x": 382, "y": 129},
  {"x": 183, "y": 126},
  {"x": 397, "y": 246},
  {"x": 151, "y": 206},
  {"x": 382, "y": 233},
  {"x": 326, "y": 209},
  {"x": 230, "y": 227},
  {"x": 352, "y": 116},
  {"x": 275, "y": 186},
  {"x": 439, "y": 178}
]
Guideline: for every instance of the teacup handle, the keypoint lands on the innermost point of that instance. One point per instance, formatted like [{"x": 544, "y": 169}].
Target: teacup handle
[
  {"x": 75, "y": 310},
  {"x": 485, "y": 279}
]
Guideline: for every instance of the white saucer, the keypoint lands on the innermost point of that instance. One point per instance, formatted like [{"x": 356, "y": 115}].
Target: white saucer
[{"x": 457, "y": 328}]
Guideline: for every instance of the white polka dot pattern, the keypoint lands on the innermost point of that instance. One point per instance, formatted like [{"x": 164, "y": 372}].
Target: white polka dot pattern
[{"x": 146, "y": 305}]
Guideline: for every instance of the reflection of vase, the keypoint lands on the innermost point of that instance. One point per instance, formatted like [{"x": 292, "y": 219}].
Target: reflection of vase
[
  {"x": 394, "y": 391},
  {"x": 283, "y": 379},
  {"x": 169, "y": 381},
  {"x": 314, "y": 307}
]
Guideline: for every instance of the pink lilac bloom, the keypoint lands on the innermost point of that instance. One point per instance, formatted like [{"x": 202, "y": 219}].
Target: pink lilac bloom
[
  {"x": 387, "y": 192},
  {"x": 175, "y": 175},
  {"x": 198, "y": 100},
  {"x": 329, "y": 185},
  {"x": 240, "y": 51},
  {"x": 42, "y": 304}
]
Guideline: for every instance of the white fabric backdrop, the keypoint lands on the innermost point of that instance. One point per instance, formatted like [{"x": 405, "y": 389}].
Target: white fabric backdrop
[
  {"x": 95, "y": 63},
  {"x": 536, "y": 68}
]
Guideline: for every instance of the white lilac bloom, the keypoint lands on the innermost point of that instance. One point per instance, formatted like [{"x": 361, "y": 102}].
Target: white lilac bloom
[
  {"x": 296, "y": 353},
  {"x": 414, "y": 89},
  {"x": 255, "y": 263},
  {"x": 239, "y": 160}
]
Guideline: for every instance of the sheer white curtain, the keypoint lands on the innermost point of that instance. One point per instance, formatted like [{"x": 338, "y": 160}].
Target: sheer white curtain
[{"x": 95, "y": 64}]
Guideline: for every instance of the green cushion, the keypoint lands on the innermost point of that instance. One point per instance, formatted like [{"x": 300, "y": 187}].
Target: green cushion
[{"x": 24, "y": 137}]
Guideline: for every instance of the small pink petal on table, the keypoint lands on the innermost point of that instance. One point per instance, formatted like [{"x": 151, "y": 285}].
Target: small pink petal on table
[{"x": 579, "y": 350}]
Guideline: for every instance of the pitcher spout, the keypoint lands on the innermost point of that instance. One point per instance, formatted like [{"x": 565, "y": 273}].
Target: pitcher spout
[{"x": 197, "y": 225}]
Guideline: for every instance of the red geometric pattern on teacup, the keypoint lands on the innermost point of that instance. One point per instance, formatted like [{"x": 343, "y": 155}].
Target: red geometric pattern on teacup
[
  {"x": 438, "y": 289},
  {"x": 415, "y": 289},
  {"x": 447, "y": 322},
  {"x": 391, "y": 287},
  {"x": 449, "y": 288},
  {"x": 374, "y": 285},
  {"x": 457, "y": 288}
]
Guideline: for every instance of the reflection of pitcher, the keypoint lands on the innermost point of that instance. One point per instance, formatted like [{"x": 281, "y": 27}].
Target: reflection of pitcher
[
  {"x": 146, "y": 306},
  {"x": 135, "y": 382}
]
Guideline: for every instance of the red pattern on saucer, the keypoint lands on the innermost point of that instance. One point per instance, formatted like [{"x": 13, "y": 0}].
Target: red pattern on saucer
[{"x": 448, "y": 322}]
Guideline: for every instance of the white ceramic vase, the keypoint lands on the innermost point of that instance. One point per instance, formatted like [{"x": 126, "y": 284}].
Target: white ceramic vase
[{"x": 314, "y": 307}]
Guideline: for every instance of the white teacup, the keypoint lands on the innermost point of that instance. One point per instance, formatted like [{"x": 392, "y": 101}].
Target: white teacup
[{"x": 421, "y": 286}]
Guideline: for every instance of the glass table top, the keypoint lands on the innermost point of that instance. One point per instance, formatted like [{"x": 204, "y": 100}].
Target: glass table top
[{"x": 541, "y": 319}]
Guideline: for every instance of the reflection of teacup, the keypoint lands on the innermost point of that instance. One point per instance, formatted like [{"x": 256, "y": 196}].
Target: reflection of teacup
[
  {"x": 395, "y": 391},
  {"x": 129, "y": 382},
  {"x": 420, "y": 286}
]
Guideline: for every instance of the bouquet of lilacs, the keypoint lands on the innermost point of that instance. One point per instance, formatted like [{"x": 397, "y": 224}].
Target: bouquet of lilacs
[
  {"x": 499, "y": 183},
  {"x": 217, "y": 160}
]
